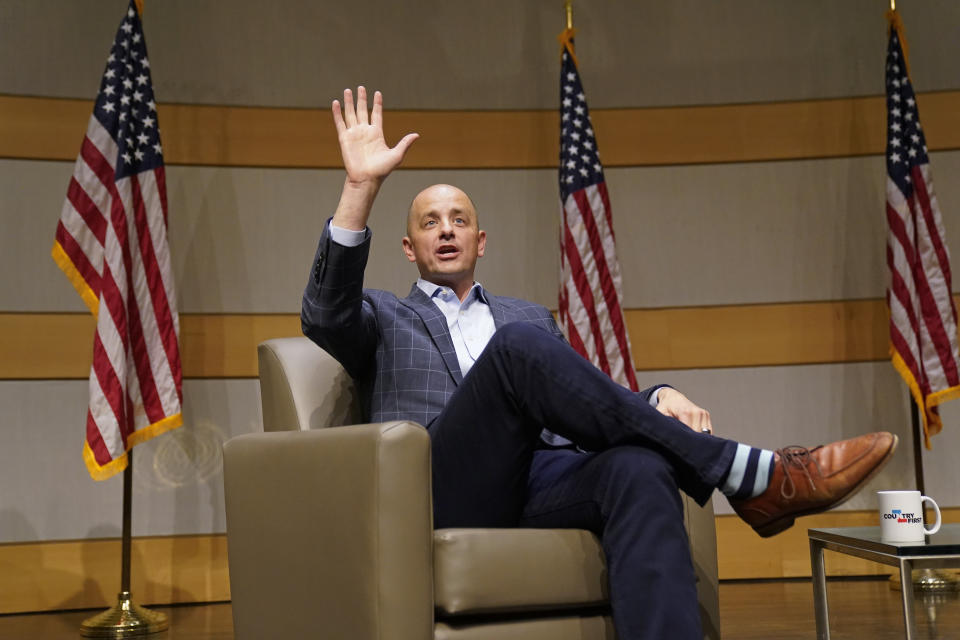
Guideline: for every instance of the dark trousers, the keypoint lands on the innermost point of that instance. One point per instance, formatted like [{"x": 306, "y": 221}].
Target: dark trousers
[{"x": 490, "y": 470}]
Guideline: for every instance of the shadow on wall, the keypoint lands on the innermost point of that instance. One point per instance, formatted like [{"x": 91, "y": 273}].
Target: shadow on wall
[
  {"x": 94, "y": 588},
  {"x": 207, "y": 244},
  {"x": 208, "y": 247},
  {"x": 184, "y": 468},
  {"x": 64, "y": 575}
]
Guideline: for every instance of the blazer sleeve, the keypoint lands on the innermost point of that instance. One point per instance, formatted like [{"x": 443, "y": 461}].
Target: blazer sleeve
[{"x": 333, "y": 313}]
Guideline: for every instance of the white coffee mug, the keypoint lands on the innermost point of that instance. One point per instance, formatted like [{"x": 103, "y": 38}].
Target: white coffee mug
[{"x": 901, "y": 516}]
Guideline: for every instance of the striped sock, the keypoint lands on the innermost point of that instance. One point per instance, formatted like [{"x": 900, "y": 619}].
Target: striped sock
[{"x": 749, "y": 475}]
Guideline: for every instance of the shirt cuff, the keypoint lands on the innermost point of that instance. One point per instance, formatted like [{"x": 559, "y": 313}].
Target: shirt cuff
[
  {"x": 347, "y": 237},
  {"x": 654, "y": 399}
]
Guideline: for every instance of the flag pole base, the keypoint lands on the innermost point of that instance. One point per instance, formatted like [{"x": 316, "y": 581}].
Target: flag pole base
[
  {"x": 929, "y": 581},
  {"x": 124, "y": 620}
]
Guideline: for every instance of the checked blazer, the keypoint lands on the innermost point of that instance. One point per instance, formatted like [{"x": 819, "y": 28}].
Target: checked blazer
[{"x": 397, "y": 350}]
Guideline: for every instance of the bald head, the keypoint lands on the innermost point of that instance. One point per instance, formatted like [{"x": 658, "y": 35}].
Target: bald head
[
  {"x": 444, "y": 237},
  {"x": 436, "y": 195}
]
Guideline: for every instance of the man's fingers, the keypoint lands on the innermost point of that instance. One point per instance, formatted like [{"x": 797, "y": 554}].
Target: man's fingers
[
  {"x": 349, "y": 112},
  {"x": 362, "y": 105},
  {"x": 405, "y": 143},
  {"x": 703, "y": 423},
  {"x": 376, "y": 118},
  {"x": 338, "y": 117}
]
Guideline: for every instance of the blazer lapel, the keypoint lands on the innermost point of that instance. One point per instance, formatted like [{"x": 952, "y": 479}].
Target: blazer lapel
[{"x": 436, "y": 325}]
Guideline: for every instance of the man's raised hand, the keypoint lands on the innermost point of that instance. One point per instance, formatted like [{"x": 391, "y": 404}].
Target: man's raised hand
[{"x": 366, "y": 156}]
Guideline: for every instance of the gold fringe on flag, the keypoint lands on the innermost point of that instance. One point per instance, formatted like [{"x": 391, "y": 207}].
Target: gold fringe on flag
[{"x": 566, "y": 43}]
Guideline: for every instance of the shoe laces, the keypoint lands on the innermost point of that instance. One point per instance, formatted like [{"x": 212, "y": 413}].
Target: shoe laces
[{"x": 799, "y": 457}]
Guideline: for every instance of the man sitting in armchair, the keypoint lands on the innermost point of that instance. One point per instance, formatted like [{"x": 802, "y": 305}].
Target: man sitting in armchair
[{"x": 526, "y": 432}]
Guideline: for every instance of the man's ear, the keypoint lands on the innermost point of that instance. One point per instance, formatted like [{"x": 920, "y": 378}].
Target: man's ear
[
  {"x": 481, "y": 243},
  {"x": 408, "y": 248}
]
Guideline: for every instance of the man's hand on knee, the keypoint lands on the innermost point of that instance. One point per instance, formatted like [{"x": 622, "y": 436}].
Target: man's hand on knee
[{"x": 671, "y": 402}]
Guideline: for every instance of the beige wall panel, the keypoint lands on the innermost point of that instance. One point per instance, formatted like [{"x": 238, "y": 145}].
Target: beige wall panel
[
  {"x": 760, "y": 232},
  {"x": 31, "y": 196},
  {"x": 773, "y": 407},
  {"x": 46, "y": 493},
  {"x": 242, "y": 239},
  {"x": 491, "y": 55},
  {"x": 245, "y": 240},
  {"x": 178, "y": 488}
]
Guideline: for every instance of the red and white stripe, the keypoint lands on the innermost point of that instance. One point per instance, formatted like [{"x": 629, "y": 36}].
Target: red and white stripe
[
  {"x": 923, "y": 321},
  {"x": 111, "y": 242},
  {"x": 590, "y": 310}
]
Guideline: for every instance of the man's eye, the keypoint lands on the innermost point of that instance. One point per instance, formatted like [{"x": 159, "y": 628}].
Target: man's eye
[
  {"x": 429, "y": 222},
  {"x": 460, "y": 221}
]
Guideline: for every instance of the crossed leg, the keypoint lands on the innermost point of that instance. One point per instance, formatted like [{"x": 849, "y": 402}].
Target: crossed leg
[{"x": 527, "y": 380}]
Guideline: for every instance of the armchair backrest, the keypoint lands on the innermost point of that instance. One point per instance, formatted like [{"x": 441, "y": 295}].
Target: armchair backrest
[{"x": 302, "y": 387}]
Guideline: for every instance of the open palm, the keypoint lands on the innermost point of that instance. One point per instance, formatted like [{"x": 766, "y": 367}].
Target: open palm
[{"x": 366, "y": 156}]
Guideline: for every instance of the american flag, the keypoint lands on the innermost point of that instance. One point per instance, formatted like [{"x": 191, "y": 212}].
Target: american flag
[
  {"x": 111, "y": 242},
  {"x": 590, "y": 291},
  {"x": 923, "y": 319}
]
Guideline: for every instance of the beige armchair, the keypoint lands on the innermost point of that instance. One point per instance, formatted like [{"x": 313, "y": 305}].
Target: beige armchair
[{"x": 330, "y": 533}]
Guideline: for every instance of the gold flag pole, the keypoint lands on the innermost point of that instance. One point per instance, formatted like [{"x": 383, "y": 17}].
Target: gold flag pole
[
  {"x": 124, "y": 619},
  {"x": 566, "y": 38}
]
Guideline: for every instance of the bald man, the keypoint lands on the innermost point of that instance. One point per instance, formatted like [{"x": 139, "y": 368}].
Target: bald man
[{"x": 525, "y": 432}]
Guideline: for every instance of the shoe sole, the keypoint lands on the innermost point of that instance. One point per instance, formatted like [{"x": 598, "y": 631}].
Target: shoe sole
[{"x": 776, "y": 526}]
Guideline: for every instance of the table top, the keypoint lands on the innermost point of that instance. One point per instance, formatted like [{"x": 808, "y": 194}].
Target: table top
[{"x": 944, "y": 542}]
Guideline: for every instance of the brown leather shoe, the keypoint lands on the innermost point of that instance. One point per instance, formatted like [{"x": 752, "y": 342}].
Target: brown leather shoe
[{"x": 807, "y": 481}]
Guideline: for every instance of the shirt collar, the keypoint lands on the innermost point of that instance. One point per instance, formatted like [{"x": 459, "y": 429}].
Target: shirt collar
[{"x": 433, "y": 290}]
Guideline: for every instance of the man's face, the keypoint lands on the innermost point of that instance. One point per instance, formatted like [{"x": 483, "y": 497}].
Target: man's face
[{"x": 443, "y": 236}]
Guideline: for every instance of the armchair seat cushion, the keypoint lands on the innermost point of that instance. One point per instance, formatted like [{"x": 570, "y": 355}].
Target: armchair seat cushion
[{"x": 483, "y": 571}]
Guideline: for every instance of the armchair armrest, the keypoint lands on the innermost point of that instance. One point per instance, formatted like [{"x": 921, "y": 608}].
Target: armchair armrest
[
  {"x": 702, "y": 532},
  {"x": 360, "y": 493}
]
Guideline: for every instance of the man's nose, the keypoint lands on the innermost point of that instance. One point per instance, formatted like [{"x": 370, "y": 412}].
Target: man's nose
[{"x": 446, "y": 228}]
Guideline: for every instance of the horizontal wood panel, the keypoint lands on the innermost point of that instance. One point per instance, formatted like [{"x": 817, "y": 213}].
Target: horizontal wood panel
[
  {"x": 45, "y": 576},
  {"x": 756, "y": 335},
  {"x": 51, "y": 129},
  {"x": 56, "y": 346},
  {"x": 742, "y": 554},
  {"x": 80, "y": 574}
]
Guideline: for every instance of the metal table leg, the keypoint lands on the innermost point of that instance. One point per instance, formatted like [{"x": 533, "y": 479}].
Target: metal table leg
[
  {"x": 820, "y": 590},
  {"x": 906, "y": 591}
]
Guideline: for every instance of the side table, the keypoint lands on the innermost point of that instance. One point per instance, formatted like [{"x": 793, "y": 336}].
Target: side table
[{"x": 941, "y": 550}]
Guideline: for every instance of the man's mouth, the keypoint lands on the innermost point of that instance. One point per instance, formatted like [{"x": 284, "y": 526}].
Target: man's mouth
[{"x": 447, "y": 252}]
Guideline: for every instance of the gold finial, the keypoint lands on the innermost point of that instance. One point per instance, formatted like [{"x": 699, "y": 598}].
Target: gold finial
[
  {"x": 893, "y": 5},
  {"x": 568, "y": 6}
]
